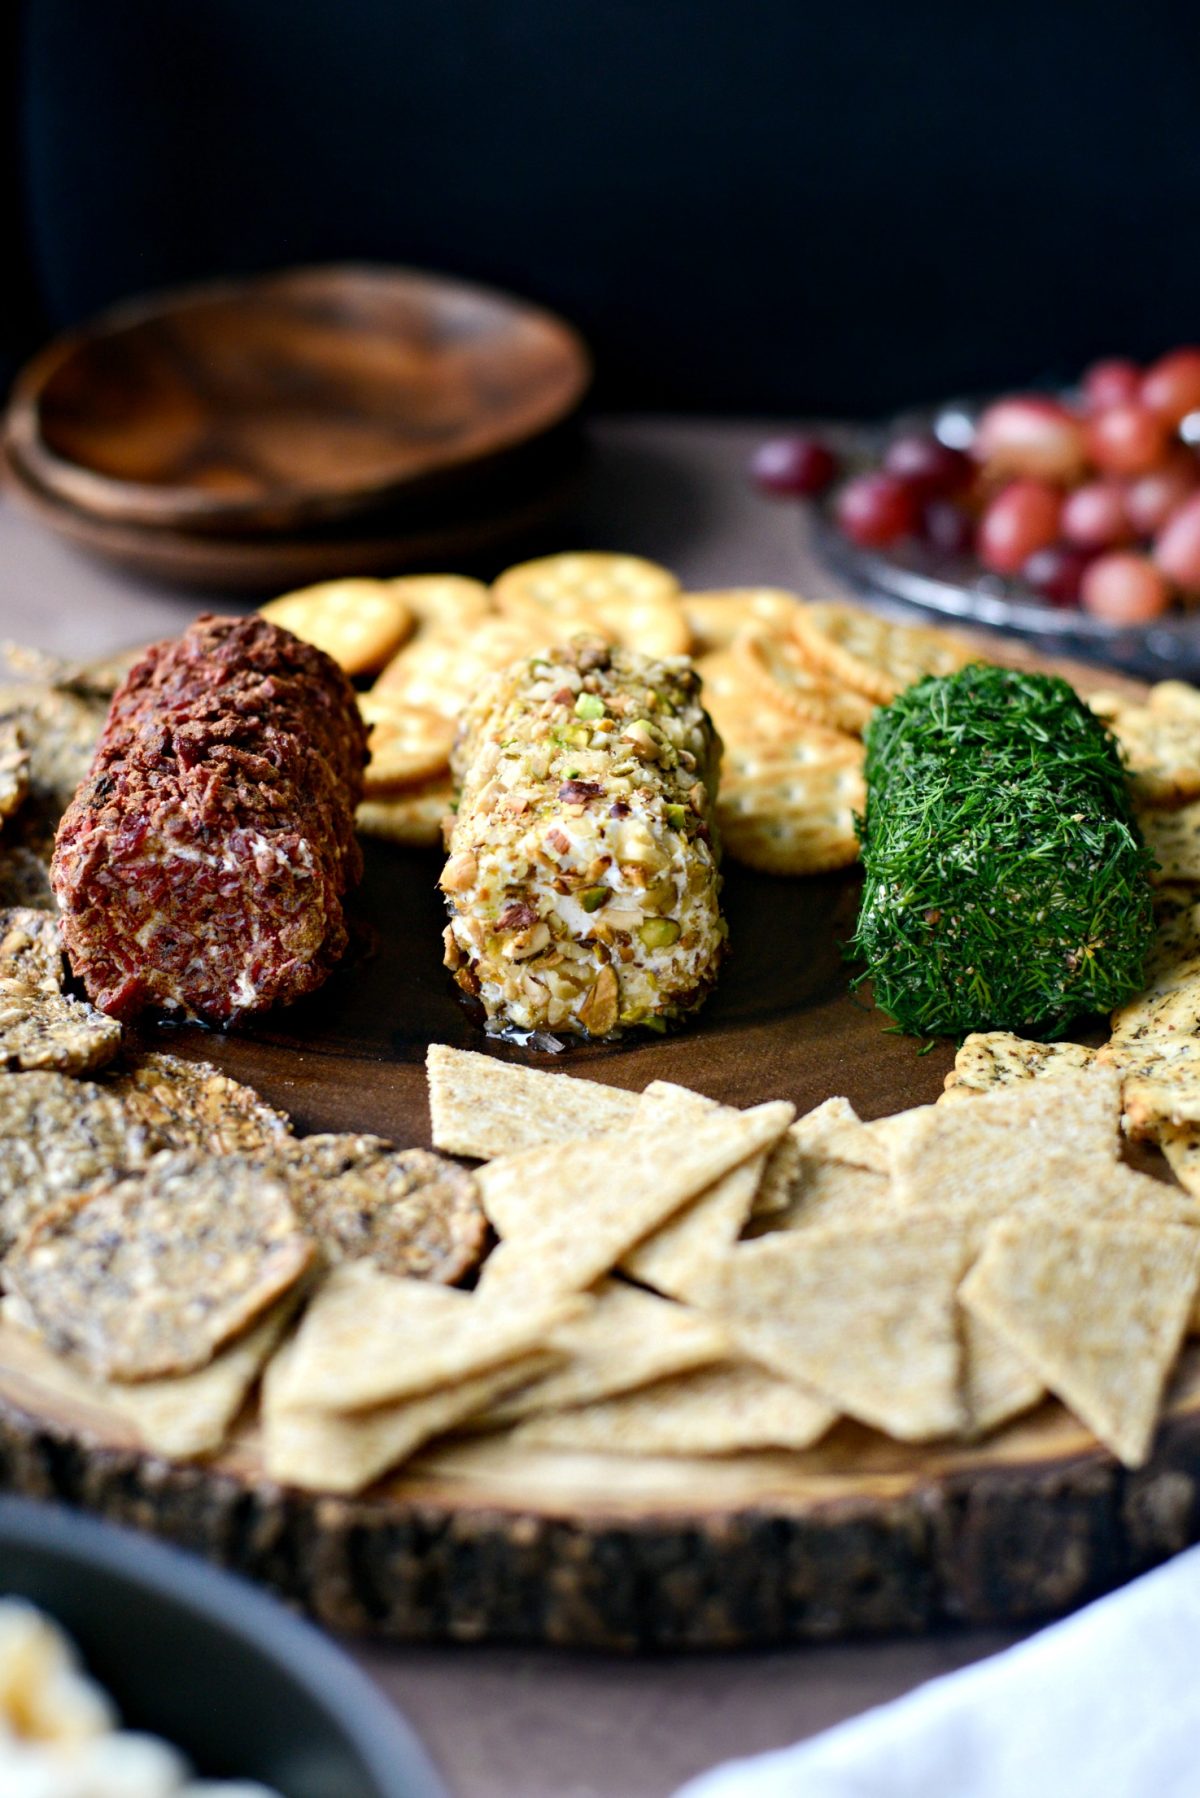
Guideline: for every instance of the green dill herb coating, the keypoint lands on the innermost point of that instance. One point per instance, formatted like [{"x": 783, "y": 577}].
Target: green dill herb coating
[{"x": 1006, "y": 879}]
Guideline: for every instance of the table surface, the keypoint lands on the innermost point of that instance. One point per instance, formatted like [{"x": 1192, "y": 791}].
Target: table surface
[{"x": 506, "y": 1722}]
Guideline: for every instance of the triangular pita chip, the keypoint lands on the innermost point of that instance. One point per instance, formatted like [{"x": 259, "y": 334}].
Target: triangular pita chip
[
  {"x": 997, "y": 1382},
  {"x": 1098, "y": 1309},
  {"x": 626, "y": 1339},
  {"x": 805, "y": 1137},
  {"x": 864, "y": 1313},
  {"x": 673, "y": 1259},
  {"x": 715, "y": 1410},
  {"x": 483, "y": 1107},
  {"x": 324, "y": 1452},
  {"x": 371, "y": 1338},
  {"x": 570, "y": 1216}
]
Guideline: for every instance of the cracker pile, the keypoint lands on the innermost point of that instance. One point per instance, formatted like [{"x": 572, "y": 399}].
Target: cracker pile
[
  {"x": 790, "y": 686},
  {"x": 933, "y": 1274},
  {"x": 161, "y": 1227}
]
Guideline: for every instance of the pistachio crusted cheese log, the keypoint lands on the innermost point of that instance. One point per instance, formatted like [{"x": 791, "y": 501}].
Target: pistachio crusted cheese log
[
  {"x": 203, "y": 863},
  {"x": 582, "y": 881},
  {"x": 1006, "y": 879}
]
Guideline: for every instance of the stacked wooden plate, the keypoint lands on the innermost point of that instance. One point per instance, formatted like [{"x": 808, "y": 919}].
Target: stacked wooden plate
[{"x": 300, "y": 425}]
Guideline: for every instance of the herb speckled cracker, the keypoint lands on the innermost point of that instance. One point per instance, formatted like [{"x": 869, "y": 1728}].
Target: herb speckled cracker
[
  {"x": 60, "y": 729},
  {"x": 993, "y": 1059},
  {"x": 713, "y": 1410},
  {"x": 1173, "y": 838},
  {"x": 483, "y": 1107},
  {"x": 1098, "y": 1309},
  {"x": 1160, "y": 743},
  {"x": 57, "y": 1136},
  {"x": 410, "y": 1212},
  {"x": 569, "y": 1217},
  {"x": 149, "y": 1276},
  {"x": 192, "y": 1105}
]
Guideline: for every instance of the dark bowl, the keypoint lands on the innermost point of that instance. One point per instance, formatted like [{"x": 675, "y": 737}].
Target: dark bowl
[{"x": 245, "y": 1689}]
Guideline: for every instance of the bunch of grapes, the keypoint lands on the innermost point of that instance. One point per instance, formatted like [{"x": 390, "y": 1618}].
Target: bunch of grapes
[{"x": 1095, "y": 503}]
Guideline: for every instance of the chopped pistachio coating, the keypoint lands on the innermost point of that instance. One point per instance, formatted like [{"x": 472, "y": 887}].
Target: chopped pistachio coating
[{"x": 582, "y": 877}]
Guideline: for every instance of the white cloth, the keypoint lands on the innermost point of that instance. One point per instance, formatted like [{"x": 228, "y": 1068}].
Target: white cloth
[{"x": 1103, "y": 1705}]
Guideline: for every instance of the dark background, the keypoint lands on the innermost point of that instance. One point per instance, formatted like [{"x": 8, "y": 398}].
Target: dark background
[{"x": 748, "y": 205}]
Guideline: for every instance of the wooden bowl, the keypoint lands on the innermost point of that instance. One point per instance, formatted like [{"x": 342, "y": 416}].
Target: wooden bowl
[
  {"x": 507, "y": 511},
  {"x": 289, "y": 400}
]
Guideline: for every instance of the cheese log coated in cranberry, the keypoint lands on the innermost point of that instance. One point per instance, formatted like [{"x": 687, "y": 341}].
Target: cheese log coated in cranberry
[{"x": 202, "y": 865}]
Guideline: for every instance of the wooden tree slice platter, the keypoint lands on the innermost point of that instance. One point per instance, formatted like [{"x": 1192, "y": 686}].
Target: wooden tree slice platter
[{"x": 476, "y": 1540}]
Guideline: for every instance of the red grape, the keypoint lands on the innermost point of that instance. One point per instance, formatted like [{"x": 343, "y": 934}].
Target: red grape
[
  {"x": 931, "y": 467},
  {"x": 877, "y": 510},
  {"x": 1171, "y": 386},
  {"x": 1056, "y": 572},
  {"x": 947, "y": 527},
  {"x": 793, "y": 466},
  {"x": 1177, "y": 546},
  {"x": 1030, "y": 435},
  {"x": 1094, "y": 516},
  {"x": 1111, "y": 383},
  {"x": 1022, "y": 518},
  {"x": 1150, "y": 500},
  {"x": 1125, "y": 589},
  {"x": 1127, "y": 439}
]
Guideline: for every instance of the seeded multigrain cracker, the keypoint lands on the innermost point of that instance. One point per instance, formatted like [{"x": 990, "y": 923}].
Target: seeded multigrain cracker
[
  {"x": 624, "y": 599},
  {"x": 25, "y": 879},
  {"x": 710, "y": 1411},
  {"x": 60, "y": 731},
  {"x": 626, "y": 1338},
  {"x": 415, "y": 817},
  {"x": 569, "y": 1215},
  {"x": 863, "y": 1313},
  {"x": 1098, "y": 1309},
  {"x": 324, "y": 1451},
  {"x": 148, "y": 1276},
  {"x": 789, "y": 808},
  {"x": 58, "y": 1136},
  {"x": 876, "y": 656},
  {"x": 483, "y": 1107},
  {"x": 360, "y": 623},
  {"x": 785, "y": 677},
  {"x": 408, "y": 744},
  {"x": 368, "y": 1338},
  {"x": 14, "y": 767},
  {"x": 410, "y": 1212},
  {"x": 39, "y": 1029},
  {"x": 192, "y": 1105},
  {"x": 30, "y": 950},
  {"x": 993, "y": 1059}
]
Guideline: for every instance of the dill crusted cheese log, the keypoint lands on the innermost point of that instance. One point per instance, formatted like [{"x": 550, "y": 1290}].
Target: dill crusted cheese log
[
  {"x": 582, "y": 878},
  {"x": 1006, "y": 879}
]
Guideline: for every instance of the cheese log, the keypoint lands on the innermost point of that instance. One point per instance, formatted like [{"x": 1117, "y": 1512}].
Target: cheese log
[
  {"x": 202, "y": 865},
  {"x": 582, "y": 878}
]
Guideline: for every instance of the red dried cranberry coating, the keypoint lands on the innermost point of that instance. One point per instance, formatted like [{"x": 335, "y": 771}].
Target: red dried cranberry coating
[{"x": 203, "y": 863}]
